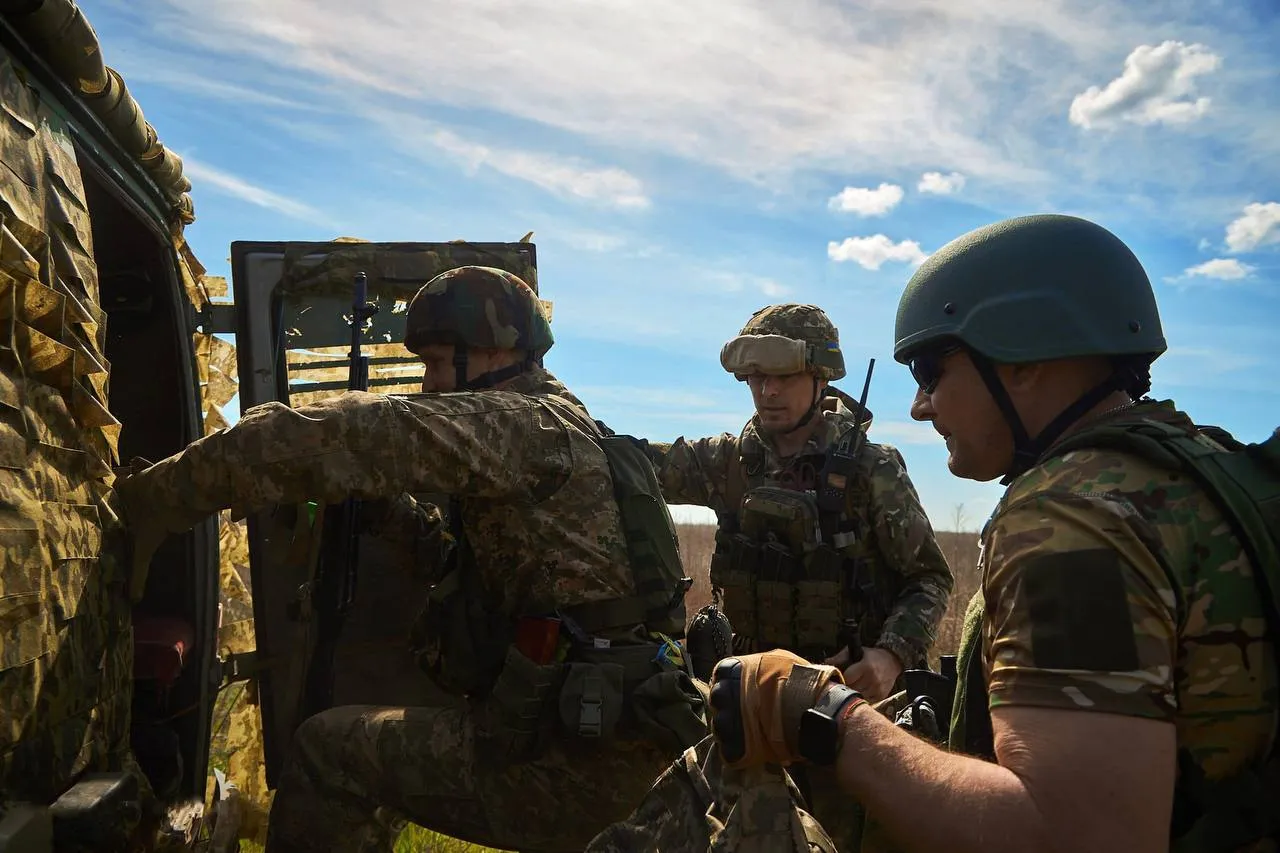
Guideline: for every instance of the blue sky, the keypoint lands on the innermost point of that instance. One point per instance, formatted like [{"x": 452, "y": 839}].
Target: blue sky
[{"x": 683, "y": 164}]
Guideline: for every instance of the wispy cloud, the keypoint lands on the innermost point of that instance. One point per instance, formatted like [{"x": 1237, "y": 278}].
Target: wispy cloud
[
  {"x": 1258, "y": 225},
  {"x": 873, "y": 252},
  {"x": 866, "y": 201},
  {"x": 940, "y": 184},
  {"x": 1221, "y": 269},
  {"x": 565, "y": 176},
  {"x": 204, "y": 175},
  {"x": 1157, "y": 86}
]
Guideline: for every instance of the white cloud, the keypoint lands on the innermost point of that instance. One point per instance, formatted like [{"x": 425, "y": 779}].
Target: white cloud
[
  {"x": 867, "y": 202},
  {"x": 925, "y": 71},
  {"x": 940, "y": 184},
  {"x": 1259, "y": 225},
  {"x": 773, "y": 289},
  {"x": 204, "y": 175},
  {"x": 872, "y": 252},
  {"x": 1223, "y": 269},
  {"x": 904, "y": 432},
  {"x": 1157, "y": 86},
  {"x": 563, "y": 176}
]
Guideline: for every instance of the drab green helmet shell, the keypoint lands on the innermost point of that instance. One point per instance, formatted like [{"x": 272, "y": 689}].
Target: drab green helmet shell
[
  {"x": 1032, "y": 288},
  {"x": 478, "y": 307}
]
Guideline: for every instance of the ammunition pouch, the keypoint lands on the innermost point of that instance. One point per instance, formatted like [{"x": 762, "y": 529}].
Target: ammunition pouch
[
  {"x": 516, "y": 728},
  {"x": 734, "y": 567},
  {"x": 783, "y": 587},
  {"x": 656, "y": 703}
]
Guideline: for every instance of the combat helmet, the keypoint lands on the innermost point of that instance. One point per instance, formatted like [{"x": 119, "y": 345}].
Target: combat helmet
[
  {"x": 1027, "y": 289},
  {"x": 475, "y": 306},
  {"x": 780, "y": 340},
  {"x": 784, "y": 339}
]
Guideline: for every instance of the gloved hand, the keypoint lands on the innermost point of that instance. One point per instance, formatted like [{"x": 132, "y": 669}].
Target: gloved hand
[
  {"x": 757, "y": 701},
  {"x": 147, "y": 519}
]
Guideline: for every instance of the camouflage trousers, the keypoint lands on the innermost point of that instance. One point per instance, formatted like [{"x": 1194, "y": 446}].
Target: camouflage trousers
[
  {"x": 350, "y": 767},
  {"x": 698, "y": 805}
]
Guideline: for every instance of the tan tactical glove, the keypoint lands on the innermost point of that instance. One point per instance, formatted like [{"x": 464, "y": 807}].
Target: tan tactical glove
[{"x": 757, "y": 701}]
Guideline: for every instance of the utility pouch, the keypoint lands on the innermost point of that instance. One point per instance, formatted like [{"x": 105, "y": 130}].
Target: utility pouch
[
  {"x": 775, "y": 596},
  {"x": 670, "y": 710},
  {"x": 818, "y": 600},
  {"x": 520, "y": 700},
  {"x": 591, "y": 700},
  {"x": 734, "y": 571}
]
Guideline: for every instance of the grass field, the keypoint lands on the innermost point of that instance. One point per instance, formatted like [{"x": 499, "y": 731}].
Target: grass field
[{"x": 696, "y": 544}]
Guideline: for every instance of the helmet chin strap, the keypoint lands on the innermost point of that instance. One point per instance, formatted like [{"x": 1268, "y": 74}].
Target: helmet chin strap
[
  {"x": 1026, "y": 449},
  {"x": 484, "y": 380}
]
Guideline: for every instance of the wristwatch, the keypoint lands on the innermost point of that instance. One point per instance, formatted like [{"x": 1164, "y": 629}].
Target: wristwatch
[{"x": 820, "y": 725}]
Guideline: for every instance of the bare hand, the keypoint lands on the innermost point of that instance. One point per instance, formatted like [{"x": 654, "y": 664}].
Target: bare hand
[{"x": 873, "y": 676}]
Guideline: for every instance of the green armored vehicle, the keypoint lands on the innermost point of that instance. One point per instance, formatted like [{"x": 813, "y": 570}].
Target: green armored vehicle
[{"x": 113, "y": 345}]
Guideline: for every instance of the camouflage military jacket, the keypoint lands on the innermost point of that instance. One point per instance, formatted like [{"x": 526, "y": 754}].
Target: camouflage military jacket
[
  {"x": 532, "y": 486},
  {"x": 1112, "y": 585},
  {"x": 896, "y": 539}
]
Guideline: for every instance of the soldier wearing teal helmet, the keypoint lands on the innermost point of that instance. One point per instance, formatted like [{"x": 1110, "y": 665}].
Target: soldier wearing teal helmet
[{"x": 1033, "y": 289}]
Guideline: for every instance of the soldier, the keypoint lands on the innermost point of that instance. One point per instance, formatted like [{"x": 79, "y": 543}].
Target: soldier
[
  {"x": 1118, "y": 670},
  {"x": 791, "y": 574},
  {"x": 560, "y": 638},
  {"x": 875, "y": 562}
]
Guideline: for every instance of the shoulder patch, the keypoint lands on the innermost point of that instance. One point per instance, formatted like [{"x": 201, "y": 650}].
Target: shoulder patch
[{"x": 1079, "y": 612}]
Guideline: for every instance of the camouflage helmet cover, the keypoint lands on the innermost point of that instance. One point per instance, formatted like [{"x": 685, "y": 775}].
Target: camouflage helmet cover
[
  {"x": 478, "y": 307},
  {"x": 807, "y": 325}
]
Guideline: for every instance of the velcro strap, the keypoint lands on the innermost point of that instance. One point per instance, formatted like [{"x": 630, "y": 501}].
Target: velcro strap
[{"x": 803, "y": 687}]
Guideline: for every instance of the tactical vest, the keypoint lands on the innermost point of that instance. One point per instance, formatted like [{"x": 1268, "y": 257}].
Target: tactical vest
[
  {"x": 468, "y": 647},
  {"x": 785, "y": 581},
  {"x": 1209, "y": 816}
]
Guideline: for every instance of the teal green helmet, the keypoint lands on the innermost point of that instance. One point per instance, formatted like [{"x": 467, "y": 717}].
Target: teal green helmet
[{"x": 1032, "y": 288}]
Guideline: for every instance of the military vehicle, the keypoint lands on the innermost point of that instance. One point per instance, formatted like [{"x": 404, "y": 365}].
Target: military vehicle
[{"x": 113, "y": 345}]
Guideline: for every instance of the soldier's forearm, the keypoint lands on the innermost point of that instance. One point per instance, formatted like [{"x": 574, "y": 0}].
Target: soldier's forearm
[{"x": 929, "y": 799}]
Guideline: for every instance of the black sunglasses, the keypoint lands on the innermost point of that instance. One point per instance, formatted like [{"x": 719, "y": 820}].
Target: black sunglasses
[{"x": 926, "y": 368}]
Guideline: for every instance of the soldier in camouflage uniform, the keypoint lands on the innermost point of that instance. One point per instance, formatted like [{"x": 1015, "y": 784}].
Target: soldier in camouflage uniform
[
  {"x": 790, "y": 575},
  {"x": 878, "y": 563},
  {"x": 1118, "y": 676},
  {"x": 547, "y": 628}
]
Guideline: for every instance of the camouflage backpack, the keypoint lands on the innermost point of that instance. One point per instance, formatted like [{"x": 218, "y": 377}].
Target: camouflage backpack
[{"x": 1244, "y": 480}]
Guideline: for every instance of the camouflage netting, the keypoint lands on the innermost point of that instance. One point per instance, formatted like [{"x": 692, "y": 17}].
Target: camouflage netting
[{"x": 65, "y": 643}]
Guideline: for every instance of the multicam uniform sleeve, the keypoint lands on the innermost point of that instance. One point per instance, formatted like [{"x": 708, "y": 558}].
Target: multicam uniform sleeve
[
  {"x": 1080, "y": 614},
  {"x": 695, "y": 472},
  {"x": 904, "y": 538},
  {"x": 490, "y": 444}
]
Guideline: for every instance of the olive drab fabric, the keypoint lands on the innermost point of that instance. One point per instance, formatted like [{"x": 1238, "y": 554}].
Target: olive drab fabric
[
  {"x": 1172, "y": 619},
  {"x": 478, "y": 307},
  {"x": 1031, "y": 288}
]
